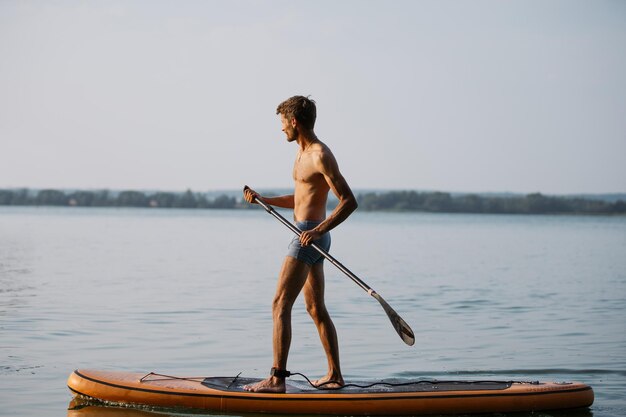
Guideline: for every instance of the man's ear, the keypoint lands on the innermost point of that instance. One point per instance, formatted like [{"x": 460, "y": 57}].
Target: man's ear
[{"x": 294, "y": 122}]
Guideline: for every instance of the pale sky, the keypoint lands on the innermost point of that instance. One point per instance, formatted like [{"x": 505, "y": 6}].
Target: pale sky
[{"x": 466, "y": 96}]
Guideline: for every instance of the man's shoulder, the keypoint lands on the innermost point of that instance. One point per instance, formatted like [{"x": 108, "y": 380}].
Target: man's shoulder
[
  {"x": 323, "y": 158},
  {"x": 321, "y": 150}
]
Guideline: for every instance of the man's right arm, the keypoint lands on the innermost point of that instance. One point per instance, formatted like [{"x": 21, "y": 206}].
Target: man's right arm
[{"x": 284, "y": 201}]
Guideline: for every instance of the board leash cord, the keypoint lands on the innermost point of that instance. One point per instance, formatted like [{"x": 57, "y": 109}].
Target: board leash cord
[{"x": 163, "y": 377}]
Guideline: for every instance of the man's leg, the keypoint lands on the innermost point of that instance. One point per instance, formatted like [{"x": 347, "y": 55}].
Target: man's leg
[
  {"x": 292, "y": 277},
  {"x": 315, "y": 305}
]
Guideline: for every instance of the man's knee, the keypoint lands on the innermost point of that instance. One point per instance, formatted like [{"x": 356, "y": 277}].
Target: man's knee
[
  {"x": 278, "y": 304},
  {"x": 317, "y": 311},
  {"x": 281, "y": 306}
]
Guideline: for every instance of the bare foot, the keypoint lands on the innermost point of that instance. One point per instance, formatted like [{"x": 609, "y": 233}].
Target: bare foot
[
  {"x": 329, "y": 382},
  {"x": 271, "y": 384}
]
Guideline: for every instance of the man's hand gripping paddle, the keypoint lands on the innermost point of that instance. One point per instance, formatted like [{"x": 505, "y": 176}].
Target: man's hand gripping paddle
[{"x": 402, "y": 328}]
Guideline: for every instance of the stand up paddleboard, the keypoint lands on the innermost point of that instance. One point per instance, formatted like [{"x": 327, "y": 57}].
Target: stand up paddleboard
[{"x": 387, "y": 397}]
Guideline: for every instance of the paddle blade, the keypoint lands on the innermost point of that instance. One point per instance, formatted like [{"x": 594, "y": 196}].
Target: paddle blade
[{"x": 402, "y": 328}]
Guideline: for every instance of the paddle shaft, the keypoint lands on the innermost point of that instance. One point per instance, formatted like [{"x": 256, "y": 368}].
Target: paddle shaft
[{"x": 401, "y": 326}]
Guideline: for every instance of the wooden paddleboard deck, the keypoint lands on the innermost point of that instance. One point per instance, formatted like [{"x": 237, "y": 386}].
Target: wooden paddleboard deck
[{"x": 390, "y": 397}]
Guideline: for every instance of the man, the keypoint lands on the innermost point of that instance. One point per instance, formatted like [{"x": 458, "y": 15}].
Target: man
[{"x": 315, "y": 172}]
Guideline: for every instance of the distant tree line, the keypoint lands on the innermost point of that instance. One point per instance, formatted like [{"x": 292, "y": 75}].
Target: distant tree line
[
  {"x": 439, "y": 202},
  {"x": 105, "y": 198},
  {"x": 435, "y": 202}
]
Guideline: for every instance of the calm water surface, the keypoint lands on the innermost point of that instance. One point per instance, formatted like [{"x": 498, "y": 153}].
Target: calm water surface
[{"x": 189, "y": 292}]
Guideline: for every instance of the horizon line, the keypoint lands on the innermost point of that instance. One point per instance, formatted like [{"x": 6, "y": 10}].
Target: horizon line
[{"x": 356, "y": 190}]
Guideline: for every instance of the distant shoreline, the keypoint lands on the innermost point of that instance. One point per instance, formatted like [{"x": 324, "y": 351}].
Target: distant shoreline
[{"x": 395, "y": 201}]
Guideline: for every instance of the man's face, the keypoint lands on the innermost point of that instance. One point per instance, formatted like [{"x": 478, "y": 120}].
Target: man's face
[{"x": 289, "y": 128}]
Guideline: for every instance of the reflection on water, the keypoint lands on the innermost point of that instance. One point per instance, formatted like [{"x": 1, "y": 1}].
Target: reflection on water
[
  {"x": 80, "y": 408},
  {"x": 189, "y": 292}
]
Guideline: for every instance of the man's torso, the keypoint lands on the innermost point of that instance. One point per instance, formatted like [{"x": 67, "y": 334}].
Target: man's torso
[{"x": 311, "y": 188}]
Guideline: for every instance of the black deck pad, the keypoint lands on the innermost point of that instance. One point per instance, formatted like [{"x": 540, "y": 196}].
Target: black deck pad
[{"x": 296, "y": 386}]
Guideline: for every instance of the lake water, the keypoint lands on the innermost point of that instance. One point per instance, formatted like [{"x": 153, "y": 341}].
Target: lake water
[{"x": 189, "y": 293}]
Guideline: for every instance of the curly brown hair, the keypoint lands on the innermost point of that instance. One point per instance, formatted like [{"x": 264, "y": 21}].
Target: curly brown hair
[{"x": 301, "y": 108}]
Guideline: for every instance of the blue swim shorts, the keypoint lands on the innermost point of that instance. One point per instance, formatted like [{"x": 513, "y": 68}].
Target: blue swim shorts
[{"x": 308, "y": 254}]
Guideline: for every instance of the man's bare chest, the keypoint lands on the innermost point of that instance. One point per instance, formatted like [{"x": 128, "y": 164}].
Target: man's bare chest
[{"x": 304, "y": 170}]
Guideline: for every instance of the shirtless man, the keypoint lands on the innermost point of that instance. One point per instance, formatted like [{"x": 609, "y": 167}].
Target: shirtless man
[{"x": 315, "y": 172}]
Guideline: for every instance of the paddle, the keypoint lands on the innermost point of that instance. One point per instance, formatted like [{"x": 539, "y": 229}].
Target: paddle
[{"x": 402, "y": 328}]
